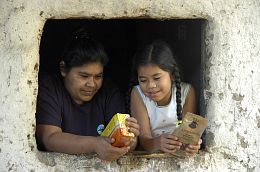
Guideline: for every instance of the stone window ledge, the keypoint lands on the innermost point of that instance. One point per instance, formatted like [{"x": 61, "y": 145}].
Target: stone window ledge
[{"x": 136, "y": 159}]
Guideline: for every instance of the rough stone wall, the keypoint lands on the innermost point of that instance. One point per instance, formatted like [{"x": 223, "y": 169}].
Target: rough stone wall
[{"x": 231, "y": 82}]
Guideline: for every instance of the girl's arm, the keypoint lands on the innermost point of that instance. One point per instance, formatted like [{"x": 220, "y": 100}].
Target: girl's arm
[
  {"x": 139, "y": 112},
  {"x": 165, "y": 142}
]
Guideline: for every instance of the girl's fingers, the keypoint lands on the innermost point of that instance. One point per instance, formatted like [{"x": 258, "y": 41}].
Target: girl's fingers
[
  {"x": 131, "y": 119},
  {"x": 172, "y": 142},
  {"x": 171, "y": 147},
  {"x": 168, "y": 150},
  {"x": 192, "y": 149},
  {"x": 133, "y": 126},
  {"x": 170, "y": 136},
  {"x": 195, "y": 147},
  {"x": 170, "y": 139},
  {"x": 135, "y": 131}
]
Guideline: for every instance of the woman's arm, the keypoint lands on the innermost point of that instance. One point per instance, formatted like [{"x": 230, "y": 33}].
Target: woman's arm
[{"x": 54, "y": 139}]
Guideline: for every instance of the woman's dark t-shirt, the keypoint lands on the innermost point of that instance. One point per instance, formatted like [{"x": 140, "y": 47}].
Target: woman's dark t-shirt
[{"x": 56, "y": 107}]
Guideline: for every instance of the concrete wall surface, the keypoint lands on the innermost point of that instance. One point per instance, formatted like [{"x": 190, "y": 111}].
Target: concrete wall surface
[{"x": 231, "y": 64}]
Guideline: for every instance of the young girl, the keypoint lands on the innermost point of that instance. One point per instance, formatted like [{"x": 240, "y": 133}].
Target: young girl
[{"x": 161, "y": 99}]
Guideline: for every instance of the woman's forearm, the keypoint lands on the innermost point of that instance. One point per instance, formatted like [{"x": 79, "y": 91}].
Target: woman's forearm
[{"x": 70, "y": 143}]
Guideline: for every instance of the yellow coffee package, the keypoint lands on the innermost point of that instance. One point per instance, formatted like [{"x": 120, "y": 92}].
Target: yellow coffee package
[
  {"x": 190, "y": 131},
  {"x": 118, "y": 130}
]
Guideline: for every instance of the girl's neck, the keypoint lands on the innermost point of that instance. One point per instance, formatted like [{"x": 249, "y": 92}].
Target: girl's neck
[{"x": 166, "y": 100}]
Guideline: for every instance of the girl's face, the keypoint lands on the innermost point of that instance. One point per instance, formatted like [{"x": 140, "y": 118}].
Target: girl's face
[
  {"x": 155, "y": 83},
  {"x": 83, "y": 82}
]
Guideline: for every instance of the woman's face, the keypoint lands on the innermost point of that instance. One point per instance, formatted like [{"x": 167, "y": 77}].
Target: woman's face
[
  {"x": 83, "y": 82},
  {"x": 155, "y": 83}
]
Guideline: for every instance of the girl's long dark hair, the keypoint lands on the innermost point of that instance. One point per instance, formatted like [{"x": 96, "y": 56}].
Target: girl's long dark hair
[{"x": 158, "y": 53}]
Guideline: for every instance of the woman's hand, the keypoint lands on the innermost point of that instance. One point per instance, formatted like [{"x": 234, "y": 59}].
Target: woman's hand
[
  {"x": 193, "y": 149},
  {"x": 106, "y": 151},
  {"x": 168, "y": 143}
]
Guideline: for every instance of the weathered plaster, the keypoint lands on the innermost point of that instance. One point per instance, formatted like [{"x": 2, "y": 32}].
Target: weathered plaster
[{"x": 231, "y": 82}]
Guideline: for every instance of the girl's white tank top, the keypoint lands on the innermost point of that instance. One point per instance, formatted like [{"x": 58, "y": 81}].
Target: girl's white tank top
[{"x": 163, "y": 118}]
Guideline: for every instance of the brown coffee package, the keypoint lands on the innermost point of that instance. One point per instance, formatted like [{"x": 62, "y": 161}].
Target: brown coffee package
[{"x": 189, "y": 132}]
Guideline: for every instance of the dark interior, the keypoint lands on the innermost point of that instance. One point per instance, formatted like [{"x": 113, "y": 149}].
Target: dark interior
[{"x": 121, "y": 38}]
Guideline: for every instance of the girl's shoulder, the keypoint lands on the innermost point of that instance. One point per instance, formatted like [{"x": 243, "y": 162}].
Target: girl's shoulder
[
  {"x": 185, "y": 88},
  {"x": 137, "y": 88},
  {"x": 185, "y": 85}
]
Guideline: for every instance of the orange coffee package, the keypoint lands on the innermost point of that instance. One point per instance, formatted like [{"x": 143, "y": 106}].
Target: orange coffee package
[
  {"x": 118, "y": 130},
  {"x": 190, "y": 131}
]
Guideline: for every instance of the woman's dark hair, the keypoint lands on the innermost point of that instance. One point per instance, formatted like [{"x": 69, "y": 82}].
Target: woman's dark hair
[
  {"x": 82, "y": 49},
  {"x": 158, "y": 53}
]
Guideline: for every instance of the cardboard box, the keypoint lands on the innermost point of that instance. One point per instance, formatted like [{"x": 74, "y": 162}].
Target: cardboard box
[
  {"x": 190, "y": 131},
  {"x": 117, "y": 129}
]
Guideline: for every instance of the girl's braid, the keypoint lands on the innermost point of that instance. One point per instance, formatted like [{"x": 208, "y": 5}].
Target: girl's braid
[{"x": 176, "y": 74}]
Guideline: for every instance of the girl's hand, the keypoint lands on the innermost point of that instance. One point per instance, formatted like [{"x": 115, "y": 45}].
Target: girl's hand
[
  {"x": 193, "y": 149},
  {"x": 168, "y": 143},
  {"x": 134, "y": 127}
]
